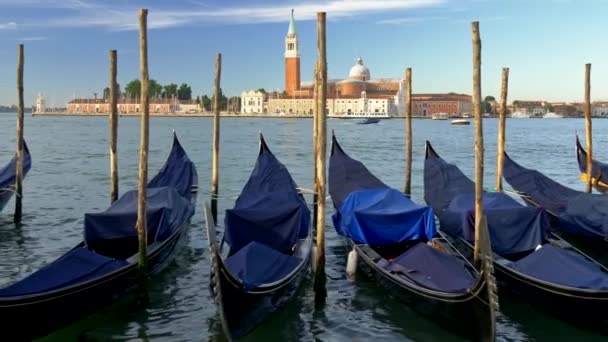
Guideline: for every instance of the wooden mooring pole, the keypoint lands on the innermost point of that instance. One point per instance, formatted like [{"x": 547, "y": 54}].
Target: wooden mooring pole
[
  {"x": 315, "y": 129},
  {"x": 502, "y": 112},
  {"x": 408, "y": 132},
  {"x": 19, "y": 164},
  {"x": 216, "y": 137},
  {"x": 320, "y": 150},
  {"x": 588, "y": 125},
  {"x": 113, "y": 129},
  {"x": 142, "y": 232},
  {"x": 478, "y": 138}
]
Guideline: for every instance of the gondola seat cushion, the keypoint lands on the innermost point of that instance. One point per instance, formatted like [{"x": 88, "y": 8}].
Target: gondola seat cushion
[
  {"x": 559, "y": 266},
  {"x": 75, "y": 267},
  {"x": 257, "y": 264},
  {"x": 380, "y": 217},
  {"x": 432, "y": 269}
]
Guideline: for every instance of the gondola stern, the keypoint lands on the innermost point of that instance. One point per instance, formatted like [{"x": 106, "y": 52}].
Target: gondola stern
[
  {"x": 335, "y": 146},
  {"x": 263, "y": 146},
  {"x": 429, "y": 151}
]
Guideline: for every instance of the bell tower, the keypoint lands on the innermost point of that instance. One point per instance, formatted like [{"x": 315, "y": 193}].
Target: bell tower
[{"x": 292, "y": 59}]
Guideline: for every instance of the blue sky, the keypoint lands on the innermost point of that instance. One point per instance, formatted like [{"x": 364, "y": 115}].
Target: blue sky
[{"x": 545, "y": 43}]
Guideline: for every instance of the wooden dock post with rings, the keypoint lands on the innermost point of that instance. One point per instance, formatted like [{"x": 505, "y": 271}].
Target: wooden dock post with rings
[
  {"x": 478, "y": 138},
  {"x": 19, "y": 163},
  {"x": 408, "y": 132},
  {"x": 142, "y": 232},
  {"x": 216, "y": 137},
  {"x": 320, "y": 152},
  {"x": 113, "y": 129},
  {"x": 502, "y": 112},
  {"x": 588, "y": 136}
]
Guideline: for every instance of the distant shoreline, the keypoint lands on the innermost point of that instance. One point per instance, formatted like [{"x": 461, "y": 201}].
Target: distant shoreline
[{"x": 210, "y": 115}]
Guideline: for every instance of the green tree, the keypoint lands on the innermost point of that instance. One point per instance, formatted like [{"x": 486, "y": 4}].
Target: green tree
[
  {"x": 262, "y": 90},
  {"x": 106, "y": 92},
  {"x": 170, "y": 90},
  {"x": 223, "y": 101},
  {"x": 206, "y": 102},
  {"x": 486, "y": 106},
  {"x": 184, "y": 92},
  {"x": 133, "y": 89},
  {"x": 154, "y": 89}
]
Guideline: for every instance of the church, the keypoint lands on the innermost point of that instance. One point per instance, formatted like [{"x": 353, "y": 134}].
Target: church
[{"x": 357, "y": 95}]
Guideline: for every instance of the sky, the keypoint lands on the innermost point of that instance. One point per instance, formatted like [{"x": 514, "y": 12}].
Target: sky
[{"x": 545, "y": 43}]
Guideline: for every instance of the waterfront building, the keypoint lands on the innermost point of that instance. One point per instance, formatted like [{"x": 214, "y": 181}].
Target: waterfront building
[
  {"x": 359, "y": 94},
  {"x": 599, "y": 109},
  {"x": 40, "y": 104},
  {"x": 131, "y": 106},
  {"x": 252, "y": 102},
  {"x": 532, "y": 108}
]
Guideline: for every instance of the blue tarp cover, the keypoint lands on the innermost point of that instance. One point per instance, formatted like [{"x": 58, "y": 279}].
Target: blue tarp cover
[
  {"x": 257, "y": 264},
  {"x": 383, "y": 216},
  {"x": 178, "y": 172},
  {"x": 513, "y": 228},
  {"x": 166, "y": 211},
  {"x": 559, "y": 266},
  {"x": 577, "y": 212},
  {"x": 78, "y": 265},
  {"x": 269, "y": 209},
  {"x": 432, "y": 269}
]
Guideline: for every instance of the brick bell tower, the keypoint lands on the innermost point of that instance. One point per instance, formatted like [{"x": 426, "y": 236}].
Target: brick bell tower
[{"x": 292, "y": 59}]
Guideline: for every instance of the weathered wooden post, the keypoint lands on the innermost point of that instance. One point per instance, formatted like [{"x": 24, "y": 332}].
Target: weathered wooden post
[
  {"x": 19, "y": 164},
  {"x": 502, "y": 112},
  {"x": 478, "y": 138},
  {"x": 315, "y": 130},
  {"x": 142, "y": 232},
  {"x": 216, "y": 137},
  {"x": 113, "y": 129},
  {"x": 320, "y": 149},
  {"x": 588, "y": 125},
  {"x": 408, "y": 131}
]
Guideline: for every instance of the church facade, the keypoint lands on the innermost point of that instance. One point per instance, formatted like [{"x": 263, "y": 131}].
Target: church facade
[{"x": 359, "y": 94}]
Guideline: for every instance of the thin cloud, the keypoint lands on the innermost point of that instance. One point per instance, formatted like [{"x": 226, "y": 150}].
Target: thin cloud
[
  {"x": 407, "y": 20},
  {"x": 120, "y": 19},
  {"x": 8, "y": 26},
  {"x": 32, "y": 39}
]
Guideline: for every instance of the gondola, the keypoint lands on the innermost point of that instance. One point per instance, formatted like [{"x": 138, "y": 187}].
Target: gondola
[
  {"x": 105, "y": 264},
  {"x": 265, "y": 251},
  {"x": 368, "y": 121},
  {"x": 575, "y": 212},
  {"x": 7, "y": 176},
  {"x": 599, "y": 171},
  {"x": 529, "y": 259},
  {"x": 400, "y": 247}
]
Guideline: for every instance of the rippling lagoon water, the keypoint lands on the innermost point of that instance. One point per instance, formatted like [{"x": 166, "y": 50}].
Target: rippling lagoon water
[{"x": 70, "y": 176}]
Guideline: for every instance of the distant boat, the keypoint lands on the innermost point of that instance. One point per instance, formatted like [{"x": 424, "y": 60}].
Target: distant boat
[
  {"x": 460, "y": 122},
  {"x": 439, "y": 116},
  {"x": 361, "y": 115},
  {"x": 520, "y": 115},
  {"x": 552, "y": 115},
  {"x": 368, "y": 121}
]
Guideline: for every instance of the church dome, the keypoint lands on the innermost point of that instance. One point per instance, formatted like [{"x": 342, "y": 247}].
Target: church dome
[{"x": 359, "y": 71}]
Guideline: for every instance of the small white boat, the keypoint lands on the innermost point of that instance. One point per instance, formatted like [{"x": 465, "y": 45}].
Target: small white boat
[
  {"x": 552, "y": 115},
  {"x": 439, "y": 116},
  {"x": 460, "y": 122},
  {"x": 520, "y": 115}
]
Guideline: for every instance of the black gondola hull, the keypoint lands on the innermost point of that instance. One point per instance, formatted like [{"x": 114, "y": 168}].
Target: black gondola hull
[
  {"x": 27, "y": 318},
  {"x": 241, "y": 311},
  {"x": 468, "y": 315}
]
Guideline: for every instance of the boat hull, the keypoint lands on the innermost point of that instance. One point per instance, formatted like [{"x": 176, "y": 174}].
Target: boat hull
[
  {"x": 584, "y": 307},
  {"x": 5, "y": 196},
  {"x": 468, "y": 315},
  {"x": 35, "y": 316}
]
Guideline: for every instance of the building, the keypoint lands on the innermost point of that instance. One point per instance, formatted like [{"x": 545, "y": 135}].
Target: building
[
  {"x": 599, "y": 109},
  {"x": 453, "y": 104},
  {"x": 357, "y": 94},
  {"x": 40, "y": 104},
  {"x": 252, "y": 102},
  {"x": 125, "y": 106},
  {"x": 533, "y": 108}
]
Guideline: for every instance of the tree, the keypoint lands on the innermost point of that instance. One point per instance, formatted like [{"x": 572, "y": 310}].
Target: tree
[
  {"x": 184, "y": 92},
  {"x": 206, "y": 102},
  {"x": 154, "y": 89},
  {"x": 106, "y": 93},
  {"x": 262, "y": 90},
  {"x": 486, "y": 106},
  {"x": 133, "y": 89},
  {"x": 223, "y": 101},
  {"x": 198, "y": 99},
  {"x": 170, "y": 90}
]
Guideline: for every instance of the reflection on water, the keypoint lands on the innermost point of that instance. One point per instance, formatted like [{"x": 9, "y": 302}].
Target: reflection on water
[{"x": 70, "y": 177}]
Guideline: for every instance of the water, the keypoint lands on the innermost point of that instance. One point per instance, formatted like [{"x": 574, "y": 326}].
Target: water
[{"x": 70, "y": 177}]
